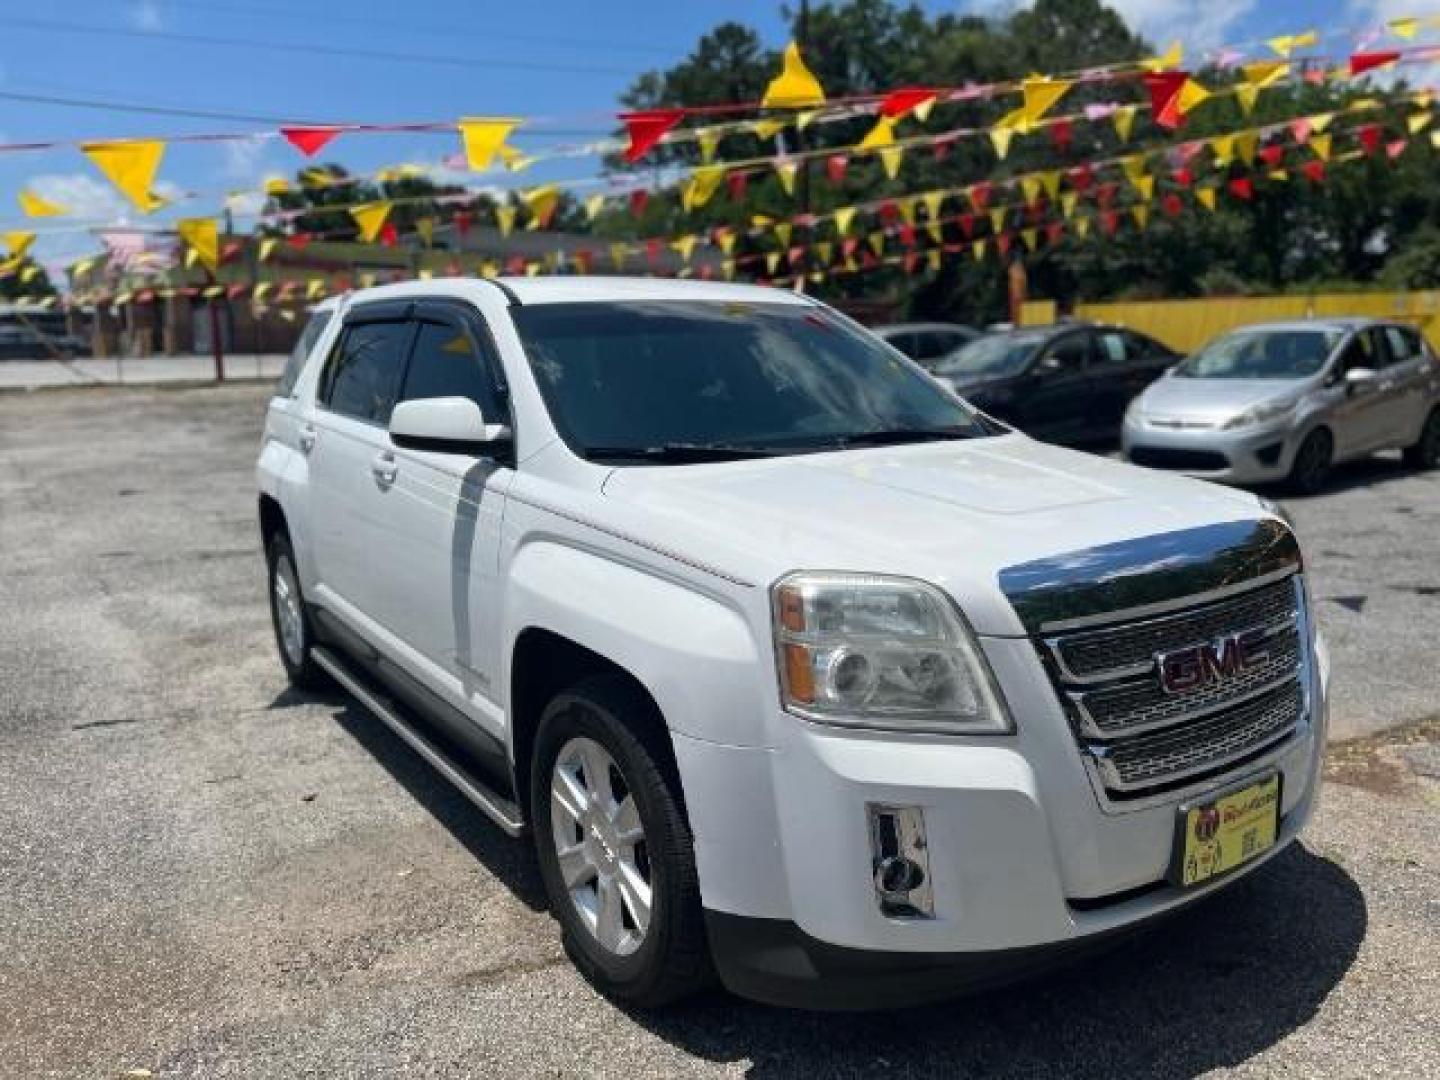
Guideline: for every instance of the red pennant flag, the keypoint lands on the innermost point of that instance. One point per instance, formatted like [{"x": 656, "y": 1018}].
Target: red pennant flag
[
  {"x": 652, "y": 250},
  {"x": 1300, "y": 130},
  {"x": 1172, "y": 205},
  {"x": 1002, "y": 243},
  {"x": 234, "y": 292},
  {"x": 1273, "y": 155},
  {"x": 1054, "y": 232},
  {"x": 1165, "y": 87},
  {"x": 309, "y": 140},
  {"x": 900, "y": 102},
  {"x": 1062, "y": 134},
  {"x": 389, "y": 236},
  {"x": 1035, "y": 211},
  {"x": 736, "y": 183},
  {"x": 907, "y": 235},
  {"x": 942, "y": 146},
  {"x": 910, "y": 260},
  {"x": 868, "y": 259},
  {"x": 1183, "y": 176},
  {"x": 452, "y": 268},
  {"x": 980, "y": 195},
  {"x": 1109, "y": 221},
  {"x": 1314, "y": 170},
  {"x": 648, "y": 128},
  {"x": 835, "y": 166},
  {"x": 1106, "y": 192},
  {"x": 462, "y": 222},
  {"x": 1081, "y": 177},
  {"x": 1370, "y": 137},
  {"x": 638, "y": 198},
  {"x": 848, "y": 245},
  {"x": 1315, "y": 76},
  {"x": 889, "y": 212},
  {"x": 1396, "y": 148},
  {"x": 515, "y": 265},
  {"x": 298, "y": 241},
  {"x": 231, "y": 251},
  {"x": 1242, "y": 188},
  {"x": 967, "y": 225},
  {"x": 1362, "y": 62},
  {"x": 583, "y": 258},
  {"x": 705, "y": 272},
  {"x": 796, "y": 255}
]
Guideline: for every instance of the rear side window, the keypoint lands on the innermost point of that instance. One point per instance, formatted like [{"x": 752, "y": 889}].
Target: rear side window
[
  {"x": 363, "y": 375},
  {"x": 1113, "y": 348},
  {"x": 1071, "y": 352},
  {"x": 296, "y": 361},
  {"x": 1404, "y": 344},
  {"x": 446, "y": 363}
]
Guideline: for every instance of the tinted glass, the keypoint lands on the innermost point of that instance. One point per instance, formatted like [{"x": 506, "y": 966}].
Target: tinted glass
[
  {"x": 444, "y": 363},
  {"x": 1141, "y": 347},
  {"x": 1000, "y": 354},
  {"x": 646, "y": 374},
  {"x": 933, "y": 343},
  {"x": 1114, "y": 348},
  {"x": 1404, "y": 344},
  {"x": 295, "y": 363},
  {"x": 1362, "y": 351},
  {"x": 1263, "y": 354},
  {"x": 1070, "y": 352},
  {"x": 365, "y": 371},
  {"x": 906, "y": 343}
]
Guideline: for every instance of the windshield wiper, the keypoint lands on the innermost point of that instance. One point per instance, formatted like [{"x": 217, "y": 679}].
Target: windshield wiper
[
  {"x": 676, "y": 453},
  {"x": 898, "y": 436}
]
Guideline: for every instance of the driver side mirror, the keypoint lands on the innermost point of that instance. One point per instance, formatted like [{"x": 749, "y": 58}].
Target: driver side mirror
[
  {"x": 1050, "y": 364},
  {"x": 1358, "y": 378},
  {"x": 447, "y": 425}
]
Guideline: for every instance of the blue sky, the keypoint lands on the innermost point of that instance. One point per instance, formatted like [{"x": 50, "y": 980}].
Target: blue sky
[{"x": 563, "y": 61}]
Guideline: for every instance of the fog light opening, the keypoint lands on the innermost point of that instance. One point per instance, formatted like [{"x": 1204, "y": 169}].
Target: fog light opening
[{"x": 900, "y": 862}]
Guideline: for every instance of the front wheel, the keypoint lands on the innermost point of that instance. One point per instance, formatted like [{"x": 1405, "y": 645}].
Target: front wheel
[
  {"x": 291, "y": 621},
  {"x": 1425, "y": 454},
  {"x": 1312, "y": 463},
  {"x": 615, "y": 849}
]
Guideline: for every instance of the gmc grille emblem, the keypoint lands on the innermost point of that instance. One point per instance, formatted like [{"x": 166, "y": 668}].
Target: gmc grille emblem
[{"x": 1195, "y": 666}]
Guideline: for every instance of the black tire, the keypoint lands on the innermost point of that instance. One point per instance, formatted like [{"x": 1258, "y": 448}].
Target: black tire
[
  {"x": 1425, "y": 454},
  {"x": 672, "y": 960},
  {"x": 1311, "y": 467},
  {"x": 301, "y": 668}
]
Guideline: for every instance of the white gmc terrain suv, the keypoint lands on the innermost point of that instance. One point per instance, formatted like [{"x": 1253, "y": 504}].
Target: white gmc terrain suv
[{"x": 800, "y": 671}]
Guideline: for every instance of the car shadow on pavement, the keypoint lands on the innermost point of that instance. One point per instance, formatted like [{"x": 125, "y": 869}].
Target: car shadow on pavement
[
  {"x": 1370, "y": 472},
  {"x": 1206, "y": 989},
  {"x": 510, "y": 861}
]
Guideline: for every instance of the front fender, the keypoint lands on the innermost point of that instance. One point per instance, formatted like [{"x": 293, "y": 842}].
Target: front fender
[{"x": 694, "y": 653}]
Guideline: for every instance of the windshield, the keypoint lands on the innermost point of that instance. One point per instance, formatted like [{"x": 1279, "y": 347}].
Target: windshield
[
  {"x": 1263, "y": 354},
  {"x": 762, "y": 377},
  {"x": 1003, "y": 354}
]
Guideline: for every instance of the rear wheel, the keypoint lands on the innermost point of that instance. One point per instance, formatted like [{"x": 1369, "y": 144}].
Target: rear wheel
[
  {"x": 293, "y": 635},
  {"x": 1311, "y": 467},
  {"x": 615, "y": 849},
  {"x": 1425, "y": 454}
]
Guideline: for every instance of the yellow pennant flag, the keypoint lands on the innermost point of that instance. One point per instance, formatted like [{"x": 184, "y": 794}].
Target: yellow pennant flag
[
  {"x": 907, "y": 210},
  {"x": 783, "y": 231},
  {"x": 876, "y": 240},
  {"x": 1050, "y": 181},
  {"x": 727, "y": 268},
  {"x": 131, "y": 167},
  {"x": 1030, "y": 188},
  {"x": 702, "y": 185},
  {"x": 1404, "y": 28},
  {"x": 1246, "y": 145},
  {"x": 766, "y": 130},
  {"x": 805, "y": 119},
  {"x": 1145, "y": 186},
  {"x": 772, "y": 263},
  {"x": 1320, "y": 144},
  {"x": 709, "y": 140},
  {"x": 1223, "y": 147},
  {"x": 882, "y": 134},
  {"x": 202, "y": 236},
  {"x": 1264, "y": 73},
  {"x": 18, "y": 243},
  {"x": 1000, "y": 137},
  {"x": 1205, "y": 196},
  {"x": 32, "y": 205},
  {"x": 1134, "y": 168},
  {"x": 1169, "y": 60},
  {"x": 425, "y": 226},
  {"x": 1247, "y": 96},
  {"x": 977, "y": 249},
  {"x": 843, "y": 217},
  {"x": 824, "y": 249},
  {"x": 315, "y": 289},
  {"x": 1067, "y": 203},
  {"x": 593, "y": 205},
  {"x": 933, "y": 258},
  {"x": 1082, "y": 227},
  {"x": 796, "y": 86},
  {"x": 786, "y": 171},
  {"x": 727, "y": 241},
  {"x": 1418, "y": 122},
  {"x": 937, "y": 234},
  {"x": 483, "y": 137},
  {"x": 1041, "y": 95},
  {"x": 1435, "y": 139},
  {"x": 267, "y": 248},
  {"x": 685, "y": 245},
  {"x": 262, "y": 290},
  {"x": 1031, "y": 238},
  {"x": 1288, "y": 43},
  {"x": 1192, "y": 95},
  {"x": 997, "y": 219},
  {"x": 370, "y": 217},
  {"x": 617, "y": 255},
  {"x": 1320, "y": 121},
  {"x": 541, "y": 202},
  {"x": 1141, "y": 213},
  {"x": 890, "y": 158},
  {"x": 532, "y": 268},
  {"x": 1124, "y": 120}
]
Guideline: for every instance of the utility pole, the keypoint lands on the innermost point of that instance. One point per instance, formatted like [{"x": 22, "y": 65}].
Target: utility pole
[{"x": 802, "y": 181}]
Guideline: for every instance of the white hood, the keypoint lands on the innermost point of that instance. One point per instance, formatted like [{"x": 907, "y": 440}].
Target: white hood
[{"x": 954, "y": 513}]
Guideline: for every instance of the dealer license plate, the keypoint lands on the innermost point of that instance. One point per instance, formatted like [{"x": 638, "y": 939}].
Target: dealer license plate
[{"x": 1219, "y": 835}]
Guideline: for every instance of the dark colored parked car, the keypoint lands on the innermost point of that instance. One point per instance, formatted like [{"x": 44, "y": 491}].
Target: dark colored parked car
[
  {"x": 1069, "y": 383},
  {"x": 927, "y": 343}
]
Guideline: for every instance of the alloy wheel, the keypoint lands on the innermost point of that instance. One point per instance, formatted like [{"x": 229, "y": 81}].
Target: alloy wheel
[
  {"x": 288, "y": 616},
  {"x": 600, "y": 846}
]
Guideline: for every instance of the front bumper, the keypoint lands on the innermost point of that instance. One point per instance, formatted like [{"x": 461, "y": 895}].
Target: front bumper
[
  {"x": 1248, "y": 456},
  {"x": 1028, "y": 865}
]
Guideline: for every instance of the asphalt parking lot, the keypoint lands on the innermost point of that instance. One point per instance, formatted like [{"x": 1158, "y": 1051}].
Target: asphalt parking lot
[{"x": 203, "y": 874}]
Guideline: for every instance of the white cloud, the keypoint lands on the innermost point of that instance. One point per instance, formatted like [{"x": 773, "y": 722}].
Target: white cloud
[
  {"x": 243, "y": 158},
  {"x": 147, "y": 15},
  {"x": 82, "y": 195}
]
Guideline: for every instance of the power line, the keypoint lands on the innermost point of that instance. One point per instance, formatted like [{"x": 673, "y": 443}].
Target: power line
[
  {"x": 267, "y": 11},
  {"x": 312, "y": 49}
]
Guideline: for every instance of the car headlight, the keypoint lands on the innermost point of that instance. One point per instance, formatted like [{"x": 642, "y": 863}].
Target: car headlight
[
  {"x": 881, "y": 652},
  {"x": 1259, "y": 414}
]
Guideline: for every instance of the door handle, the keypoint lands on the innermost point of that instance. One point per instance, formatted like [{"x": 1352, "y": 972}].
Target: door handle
[
  {"x": 384, "y": 468},
  {"x": 307, "y": 438}
]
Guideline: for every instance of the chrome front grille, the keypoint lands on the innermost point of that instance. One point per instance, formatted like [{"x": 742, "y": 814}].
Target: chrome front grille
[{"x": 1142, "y": 738}]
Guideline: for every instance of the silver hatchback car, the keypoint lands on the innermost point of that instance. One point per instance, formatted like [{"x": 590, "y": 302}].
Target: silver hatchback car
[{"x": 1285, "y": 401}]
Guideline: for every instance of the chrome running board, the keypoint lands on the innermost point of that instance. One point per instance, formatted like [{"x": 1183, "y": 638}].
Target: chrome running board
[{"x": 494, "y": 805}]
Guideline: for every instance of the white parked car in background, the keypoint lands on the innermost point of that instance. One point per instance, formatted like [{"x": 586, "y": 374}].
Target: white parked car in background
[
  {"x": 1286, "y": 401},
  {"x": 798, "y": 670}
]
